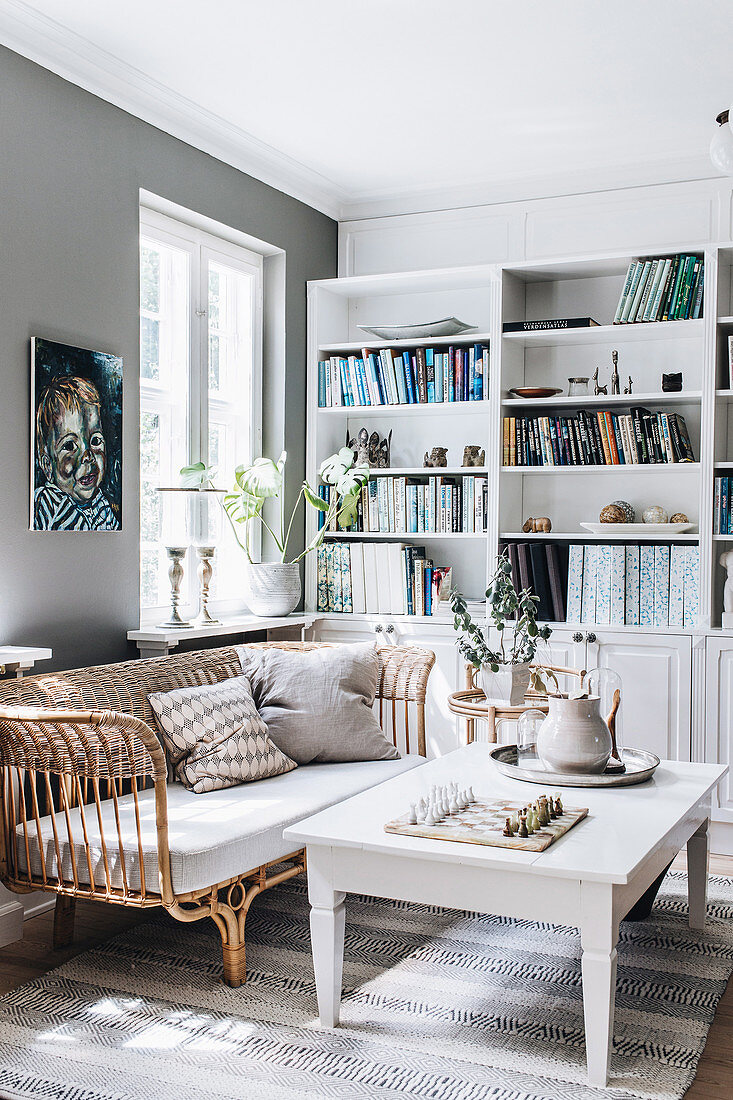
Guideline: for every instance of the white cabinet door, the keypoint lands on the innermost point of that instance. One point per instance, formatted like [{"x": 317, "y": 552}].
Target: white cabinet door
[
  {"x": 656, "y": 676},
  {"x": 442, "y": 729},
  {"x": 719, "y": 718}
]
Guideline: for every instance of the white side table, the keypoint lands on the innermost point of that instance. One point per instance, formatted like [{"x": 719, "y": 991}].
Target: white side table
[
  {"x": 158, "y": 641},
  {"x": 19, "y": 659}
]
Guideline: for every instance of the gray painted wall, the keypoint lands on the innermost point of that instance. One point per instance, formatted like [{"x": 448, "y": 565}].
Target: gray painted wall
[{"x": 71, "y": 167}]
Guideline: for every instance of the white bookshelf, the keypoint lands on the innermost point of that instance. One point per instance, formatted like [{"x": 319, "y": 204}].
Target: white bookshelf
[{"x": 488, "y": 296}]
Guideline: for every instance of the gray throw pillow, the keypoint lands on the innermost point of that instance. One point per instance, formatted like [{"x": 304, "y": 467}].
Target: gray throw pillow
[
  {"x": 317, "y": 704},
  {"x": 215, "y": 737}
]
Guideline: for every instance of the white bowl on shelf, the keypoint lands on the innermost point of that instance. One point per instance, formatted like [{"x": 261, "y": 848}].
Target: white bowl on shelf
[{"x": 637, "y": 528}]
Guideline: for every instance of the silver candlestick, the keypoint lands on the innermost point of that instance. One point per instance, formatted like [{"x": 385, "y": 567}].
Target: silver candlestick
[
  {"x": 176, "y": 554},
  {"x": 205, "y": 572}
]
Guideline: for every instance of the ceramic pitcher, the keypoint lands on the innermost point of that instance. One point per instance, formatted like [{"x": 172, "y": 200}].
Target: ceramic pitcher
[{"x": 574, "y": 737}]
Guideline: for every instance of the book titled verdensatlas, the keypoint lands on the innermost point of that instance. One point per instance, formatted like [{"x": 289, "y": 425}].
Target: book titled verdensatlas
[{"x": 559, "y": 322}]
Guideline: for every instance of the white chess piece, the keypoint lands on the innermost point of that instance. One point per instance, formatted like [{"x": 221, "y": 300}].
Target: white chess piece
[
  {"x": 429, "y": 818},
  {"x": 412, "y": 816},
  {"x": 452, "y": 804},
  {"x": 726, "y": 560},
  {"x": 471, "y": 799}
]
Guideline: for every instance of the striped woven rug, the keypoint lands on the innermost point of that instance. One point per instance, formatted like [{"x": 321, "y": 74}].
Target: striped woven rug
[{"x": 438, "y": 1004}]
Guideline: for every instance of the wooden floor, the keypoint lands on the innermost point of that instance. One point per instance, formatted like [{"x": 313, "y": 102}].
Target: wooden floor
[{"x": 95, "y": 922}]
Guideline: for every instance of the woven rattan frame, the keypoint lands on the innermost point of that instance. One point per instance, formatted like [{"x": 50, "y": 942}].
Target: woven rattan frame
[
  {"x": 72, "y": 743},
  {"x": 471, "y": 704}
]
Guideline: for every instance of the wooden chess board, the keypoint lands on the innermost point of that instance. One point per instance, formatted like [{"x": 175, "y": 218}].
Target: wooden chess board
[{"x": 483, "y": 823}]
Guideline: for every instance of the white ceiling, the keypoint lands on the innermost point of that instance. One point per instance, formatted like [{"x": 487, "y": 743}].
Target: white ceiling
[{"x": 407, "y": 104}]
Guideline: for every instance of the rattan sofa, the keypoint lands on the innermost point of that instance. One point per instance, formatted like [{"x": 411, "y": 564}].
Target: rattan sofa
[{"x": 89, "y": 809}]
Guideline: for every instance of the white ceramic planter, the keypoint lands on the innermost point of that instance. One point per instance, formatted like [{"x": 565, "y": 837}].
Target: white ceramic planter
[
  {"x": 273, "y": 588},
  {"x": 574, "y": 737},
  {"x": 508, "y": 686}
]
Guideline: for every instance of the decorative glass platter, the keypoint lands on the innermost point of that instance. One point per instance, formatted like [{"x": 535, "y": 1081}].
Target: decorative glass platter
[
  {"x": 446, "y": 326},
  {"x": 640, "y": 766}
]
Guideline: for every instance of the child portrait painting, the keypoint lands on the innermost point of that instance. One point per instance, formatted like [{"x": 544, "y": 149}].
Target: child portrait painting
[{"x": 76, "y": 429}]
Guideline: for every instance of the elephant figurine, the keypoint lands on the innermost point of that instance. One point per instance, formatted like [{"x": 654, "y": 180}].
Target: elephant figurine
[{"x": 539, "y": 526}]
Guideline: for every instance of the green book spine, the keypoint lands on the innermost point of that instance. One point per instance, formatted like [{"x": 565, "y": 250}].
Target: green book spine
[
  {"x": 624, "y": 293},
  {"x": 670, "y": 288},
  {"x": 677, "y": 288}
]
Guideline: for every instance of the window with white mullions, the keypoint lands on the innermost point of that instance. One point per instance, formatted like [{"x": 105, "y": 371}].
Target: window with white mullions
[{"x": 200, "y": 356}]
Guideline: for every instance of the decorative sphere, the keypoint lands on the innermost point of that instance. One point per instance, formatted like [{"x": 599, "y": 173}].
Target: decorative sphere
[
  {"x": 627, "y": 509},
  {"x": 655, "y": 514},
  {"x": 612, "y": 514},
  {"x": 678, "y": 517}
]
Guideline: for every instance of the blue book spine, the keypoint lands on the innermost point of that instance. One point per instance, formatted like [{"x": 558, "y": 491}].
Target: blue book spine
[
  {"x": 409, "y": 378},
  {"x": 345, "y": 383},
  {"x": 677, "y": 561},
  {"x": 363, "y": 398},
  {"x": 321, "y": 384},
  {"x": 451, "y": 374},
  {"x": 575, "y": 583},
  {"x": 439, "y": 359},
  {"x": 399, "y": 368},
  {"x": 588, "y": 606},
  {"x": 646, "y": 586},
  {"x": 632, "y": 586},
  {"x": 371, "y": 365},
  {"x": 603, "y": 584},
  {"x": 690, "y": 598},
  {"x": 363, "y": 384},
  {"x": 428, "y": 590},
  {"x": 661, "y": 585},
  {"x": 411, "y": 496},
  {"x": 430, "y": 371},
  {"x": 618, "y": 584}
]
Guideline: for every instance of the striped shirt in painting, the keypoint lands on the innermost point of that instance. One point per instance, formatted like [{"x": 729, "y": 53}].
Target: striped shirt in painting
[{"x": 55, "y": 511}]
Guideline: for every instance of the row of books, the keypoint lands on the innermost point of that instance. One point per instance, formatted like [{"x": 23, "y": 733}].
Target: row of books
[
  {"x": 663, "y": 289},
  {"x": 419, "y": 377},
  {"x": 379, "y": 579},
  {"x": 597, "y": 439},
  {"x": 648, "y": 585},
  {"x": 722, "y": 511},
  {"x": 437, "y": 505},
  {"x": 543, "y": 568}
]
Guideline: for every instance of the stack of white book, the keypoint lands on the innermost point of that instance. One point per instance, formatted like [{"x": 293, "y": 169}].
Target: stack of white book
[{"x": 387, "y": 578}]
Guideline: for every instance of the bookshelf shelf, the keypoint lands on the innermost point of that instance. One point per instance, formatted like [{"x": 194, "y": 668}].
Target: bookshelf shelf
[
  {"x": 586, "y": 536},
  {"x": 684, "y": 397},
  {"x": 725, "y": 320},
  {"x": 426, "y": 408},
  {"x": 637, "y": 468},
  {"x": 724, "y": 396},
  {"x": 430, "y": 471},
  {"x": 463, "y": 340},
  {"x": 367, "y": 536},
  {"x": 722, "y": 538},
  {"x": 724, "y": 465},
  {"x": 609, "y": 334}
]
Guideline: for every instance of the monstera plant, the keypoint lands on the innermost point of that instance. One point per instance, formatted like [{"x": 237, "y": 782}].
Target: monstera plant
[{"x": 257, "y": 497}]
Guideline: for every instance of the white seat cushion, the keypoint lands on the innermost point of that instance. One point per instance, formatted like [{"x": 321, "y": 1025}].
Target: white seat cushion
[{"x": 212, "y": 837}]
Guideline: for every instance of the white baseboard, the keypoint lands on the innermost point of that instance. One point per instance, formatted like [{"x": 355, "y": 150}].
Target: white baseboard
[
  {"x": 40, "y": 901},
  {"x": 11, "y": 917}
]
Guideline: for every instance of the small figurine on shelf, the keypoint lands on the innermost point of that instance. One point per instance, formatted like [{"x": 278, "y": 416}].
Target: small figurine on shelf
[
  {"x": 537, "y": 526},
  {"x": 473, "y": 456},
  {"x": 598, "y": 389},
  {"x": 370, "y": 450},
  {"x": 672, "y": 383},
  {"x": 437, "y": 457},
  {"x": 627, "y": 389},
  {"x": 615, "y": 380}
]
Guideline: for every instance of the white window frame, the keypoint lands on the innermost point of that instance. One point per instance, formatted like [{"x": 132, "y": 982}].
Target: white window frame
[{"x": 202, "y": 249}]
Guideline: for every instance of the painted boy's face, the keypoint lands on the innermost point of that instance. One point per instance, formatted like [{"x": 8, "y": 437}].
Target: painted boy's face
[{"x": 75, "y": 457}]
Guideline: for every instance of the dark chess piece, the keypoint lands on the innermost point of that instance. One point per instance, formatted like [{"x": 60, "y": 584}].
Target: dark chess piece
[
  {"x": 522, "y": 826},
  {"x": 559, "y": 806},
  {"x": 508, "y": 828}
]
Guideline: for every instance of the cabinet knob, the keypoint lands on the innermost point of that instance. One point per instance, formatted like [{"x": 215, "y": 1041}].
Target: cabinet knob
[
  {"x": 378, "y": 628},
  {"x": 390, "y": 628},
  {"x": 577, "y": 636},
  {"x": 590, "y": 637}
]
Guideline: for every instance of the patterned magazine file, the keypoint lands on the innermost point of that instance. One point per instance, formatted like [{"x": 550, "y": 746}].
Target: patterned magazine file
[{"x": 483, "y": 823}]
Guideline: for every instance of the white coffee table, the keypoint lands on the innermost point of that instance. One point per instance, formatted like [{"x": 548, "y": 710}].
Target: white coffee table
[{"x": 590, "y": 878}]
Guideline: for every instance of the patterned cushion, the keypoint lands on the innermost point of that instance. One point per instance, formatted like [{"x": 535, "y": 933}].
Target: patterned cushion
[{"x": 215, "y": 736}]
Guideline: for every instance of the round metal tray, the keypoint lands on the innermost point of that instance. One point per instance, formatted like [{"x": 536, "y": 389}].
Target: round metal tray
[{"x": 640, "y": 766}]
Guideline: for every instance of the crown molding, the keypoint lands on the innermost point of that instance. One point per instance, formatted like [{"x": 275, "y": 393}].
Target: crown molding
[
  {"x": 430, "y": 200},
  {"x": 74, "y": 58},
  {"x": 69, "y": 55}
]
